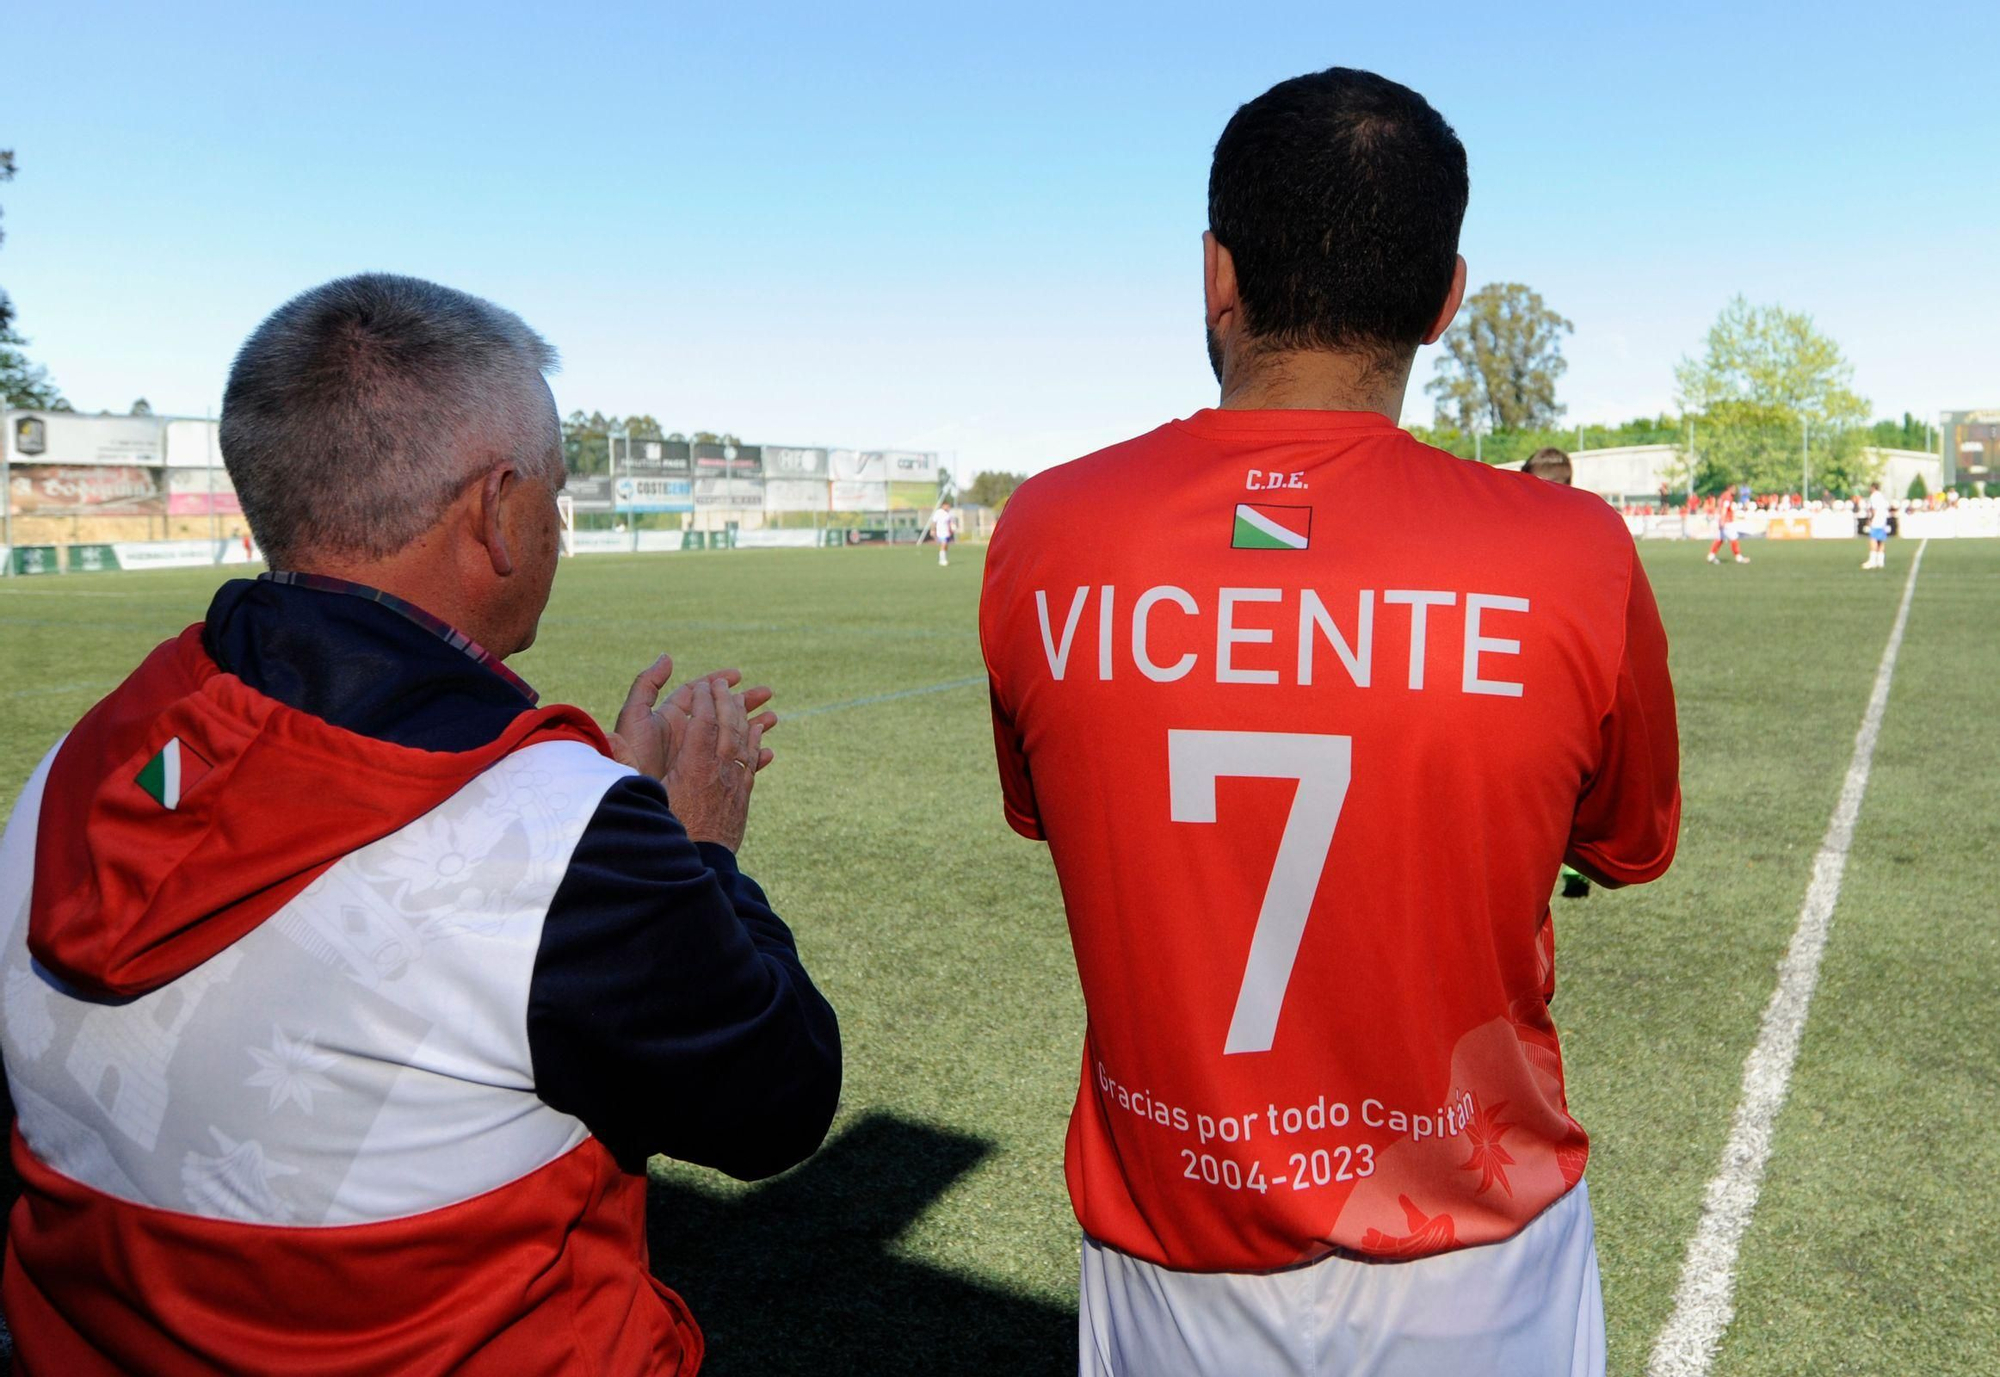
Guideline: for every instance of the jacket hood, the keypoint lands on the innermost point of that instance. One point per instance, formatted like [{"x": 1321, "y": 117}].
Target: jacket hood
[{"x": 187, "y": 807}]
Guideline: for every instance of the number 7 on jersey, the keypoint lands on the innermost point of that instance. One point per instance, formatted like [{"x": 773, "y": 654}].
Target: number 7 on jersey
[{"x": 1323, "y": 767}]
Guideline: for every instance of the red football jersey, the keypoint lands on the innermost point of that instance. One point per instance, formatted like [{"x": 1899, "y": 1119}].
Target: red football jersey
[{"x": 1309, "y": 739}]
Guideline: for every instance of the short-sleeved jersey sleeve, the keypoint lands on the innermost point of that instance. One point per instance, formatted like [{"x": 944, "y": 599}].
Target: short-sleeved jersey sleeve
[
  {"x": 1628, "y": 820},
  {"x": 1017, "y": 789}
]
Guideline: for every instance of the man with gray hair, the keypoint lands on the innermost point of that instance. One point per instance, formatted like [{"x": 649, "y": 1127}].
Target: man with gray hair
[{"x": 347, "y": 990}]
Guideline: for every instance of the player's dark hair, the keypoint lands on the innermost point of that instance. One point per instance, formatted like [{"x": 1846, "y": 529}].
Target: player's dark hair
[
  {"x": 1339, "y": 195},
  {"x": 1550, "y": 463}
]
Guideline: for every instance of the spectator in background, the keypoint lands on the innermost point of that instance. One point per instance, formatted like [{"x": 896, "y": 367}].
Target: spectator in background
[{"x": 1551, "y": 464}]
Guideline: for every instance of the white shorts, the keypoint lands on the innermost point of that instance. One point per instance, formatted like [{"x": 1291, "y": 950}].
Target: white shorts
[
  {"x": 1732, "y": 533},
  {"x": 1526, "y": 1307}
]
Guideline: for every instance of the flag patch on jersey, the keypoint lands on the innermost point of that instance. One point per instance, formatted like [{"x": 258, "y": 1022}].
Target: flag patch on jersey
[
  {"x": 169, "y": 775},
  {"x": 1271, "y": 528}
]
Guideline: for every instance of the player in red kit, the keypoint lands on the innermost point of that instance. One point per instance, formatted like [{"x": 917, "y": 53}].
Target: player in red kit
[
  {"x": 1307, "y": 784},
  {"x": 1727, "y": 529}
]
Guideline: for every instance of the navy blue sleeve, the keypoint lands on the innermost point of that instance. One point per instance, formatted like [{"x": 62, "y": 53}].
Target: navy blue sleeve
[{"x": 669, "y": 1010}]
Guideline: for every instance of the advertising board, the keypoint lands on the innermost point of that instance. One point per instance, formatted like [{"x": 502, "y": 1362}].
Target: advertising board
[
  {"x": 735, "y": 494},
  {"x": 782, "y": 461},
  {"x": 198, "y": 492},
  {"x": 85, "y": 490},
  {"x": 62, "y": 437},
  {"x": 858, "y": 495},
  {"x": 645, "y": 494},
  {"x": 794, "y": 494},
  {"x": 857, "y": 466}
]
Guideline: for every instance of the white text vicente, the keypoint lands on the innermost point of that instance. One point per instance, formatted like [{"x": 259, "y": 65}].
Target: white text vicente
[{"x": 1283, "y": 635}]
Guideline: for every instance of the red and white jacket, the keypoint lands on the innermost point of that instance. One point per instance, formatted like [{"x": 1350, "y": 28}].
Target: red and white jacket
[{"x": 298, "y": 1024}]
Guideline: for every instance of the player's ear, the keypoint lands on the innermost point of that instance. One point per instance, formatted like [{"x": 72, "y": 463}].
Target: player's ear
[
  {"x": 1452, "y": 301},
  {"x": 500, "y": 485},
  {"x": 1218, "y": 280}
]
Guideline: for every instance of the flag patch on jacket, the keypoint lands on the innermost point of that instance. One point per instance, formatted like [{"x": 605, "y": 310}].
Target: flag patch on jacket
[
  {"x": 1271, "y": 528},
  {"x": 169, "y": 775}
]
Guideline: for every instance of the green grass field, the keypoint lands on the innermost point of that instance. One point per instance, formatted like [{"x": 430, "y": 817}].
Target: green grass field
[{"x": 933, "y": 1234}]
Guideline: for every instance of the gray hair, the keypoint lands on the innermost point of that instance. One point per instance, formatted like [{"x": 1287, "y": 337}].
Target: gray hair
[{"x": 359, "y": 410}]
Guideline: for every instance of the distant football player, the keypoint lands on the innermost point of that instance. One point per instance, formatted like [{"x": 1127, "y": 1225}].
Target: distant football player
[
  {"x": 1727, "y": 529},
  {"x": 1307, "y": 783},
  {"x": 944, "y": 530},
  {"x": 1878, "y": 529}
]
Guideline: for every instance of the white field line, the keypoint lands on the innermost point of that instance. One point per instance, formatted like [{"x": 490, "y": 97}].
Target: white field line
[{"x": 1705, "y": 1302}]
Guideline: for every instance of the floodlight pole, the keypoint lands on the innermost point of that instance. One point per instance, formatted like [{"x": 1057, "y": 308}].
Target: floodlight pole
[
  {"x": 1805, "y": 455},
  {"x": 7, "y": 496},
  {"x": 611, "y": 439},
  {"x": 1691, "y": 460},
  {"x": 208, "y": 462}
]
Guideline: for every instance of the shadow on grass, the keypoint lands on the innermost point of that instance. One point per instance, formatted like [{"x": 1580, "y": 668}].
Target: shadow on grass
[{"x": 799, "y": 1276}]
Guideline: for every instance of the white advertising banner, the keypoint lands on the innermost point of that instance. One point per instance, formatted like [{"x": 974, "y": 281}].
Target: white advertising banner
[
  {"x": 732, "y": 494},
  {"x": 776, "y": 540},
  {"x": 601, "y": 542},
  {"x": 781, "y": 461},
  {"x": 193, "y": 444},
  {"x": 658, "y": 540},
  {"x": 1982, "y": 519},
  {"x": 794, "y": 494},
  {"x": 855, "y": 465},
  {"x": 849, "y": 495},
  {"x": 173, "y": 554},
  {"x": 61, "y": 437},
  {"x": 909, "y": 466},
  {"x": 1964, "y": 521}
]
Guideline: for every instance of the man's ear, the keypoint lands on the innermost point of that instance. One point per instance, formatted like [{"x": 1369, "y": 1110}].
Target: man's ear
[
  {"x": 1218, "y": 281},
  {"x": 499, "y": 484},
  {"x": 1452, "y": 301}
]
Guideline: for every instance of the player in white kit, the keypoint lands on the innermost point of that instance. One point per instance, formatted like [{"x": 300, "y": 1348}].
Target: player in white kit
[
  {"x": 944, "y": 529},
  {"x": 1878, "y": 529}
]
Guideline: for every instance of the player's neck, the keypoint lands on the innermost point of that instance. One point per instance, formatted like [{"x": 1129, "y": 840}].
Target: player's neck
[{"x": 1314, "y": 380}]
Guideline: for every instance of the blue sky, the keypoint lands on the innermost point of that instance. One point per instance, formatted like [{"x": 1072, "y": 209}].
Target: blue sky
[{"x": 973, "y": 229}]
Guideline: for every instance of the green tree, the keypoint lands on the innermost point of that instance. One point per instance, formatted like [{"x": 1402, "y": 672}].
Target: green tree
[
  {"x": 1908, "y": 433},
  {"x": 1512, "y": 446},
  {"x": 142, "y": 407},
  {"x": 587, "y": 442},
  {"x": 1501, "y": 361},
  {"x": 1769, "y": 395},
  {"x": 23, "y": 383},
  {"x": 992, "y": 488},
  {"x": 587, "y": 439}
]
